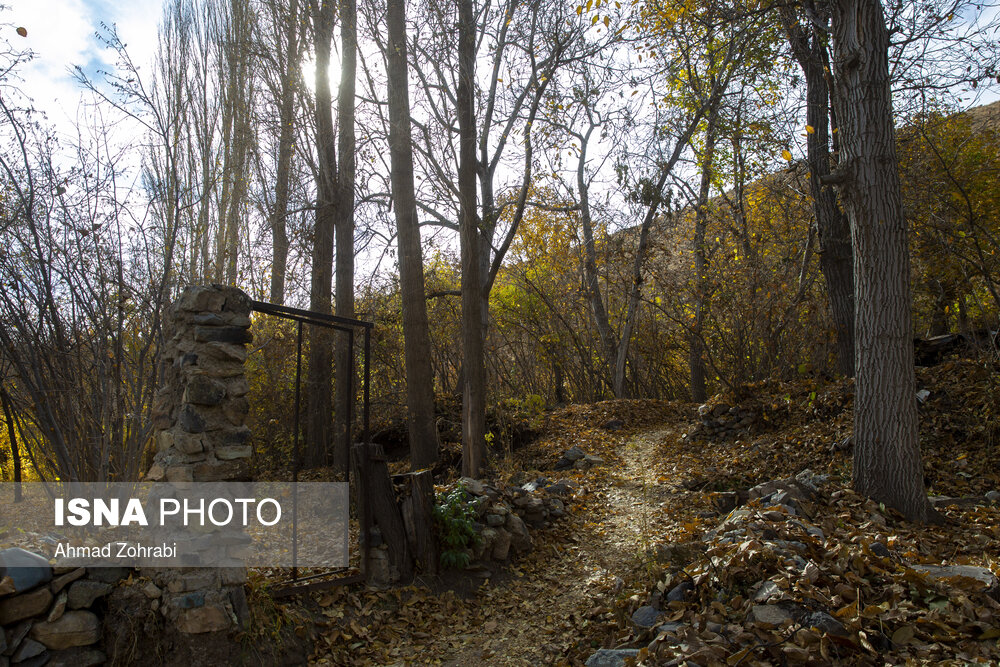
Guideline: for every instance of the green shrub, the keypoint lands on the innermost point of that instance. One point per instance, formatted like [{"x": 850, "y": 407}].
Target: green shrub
[{"x": 455, "y": 520}]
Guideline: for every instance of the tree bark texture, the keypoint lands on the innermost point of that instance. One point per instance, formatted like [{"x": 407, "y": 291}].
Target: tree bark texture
[
  {"x": 417, "y": 509},
  {"x": 344, "y": 395},
  {"x": 887, "y": 466},
  {"x": 474, "y": 387},
  {"x": 377, "y": 499},
  {"x": 416, "y": 334},
  {"x": 320, "y": 372},
  {"x": 286, "y": 141}
]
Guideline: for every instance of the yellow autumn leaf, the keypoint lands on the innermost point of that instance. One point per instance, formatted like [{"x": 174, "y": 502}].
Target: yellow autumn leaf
[
  {"x": 787, "y": 155},
  {"x": 810, "y": 129},
  {"x": 847, "y": 611}
]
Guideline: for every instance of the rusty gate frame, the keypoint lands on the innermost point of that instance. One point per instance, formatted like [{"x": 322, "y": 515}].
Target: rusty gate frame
[{"x": 296, "y": 584}]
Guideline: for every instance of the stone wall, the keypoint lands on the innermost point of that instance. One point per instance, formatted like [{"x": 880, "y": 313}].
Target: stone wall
[
  {"x": 81, "y": 617},
  {"x": 502, "y": 517},
  {"x": 73, "y": 616},
  {"x": 47, "y": 614},
  {"x": 722, "y": 421}
]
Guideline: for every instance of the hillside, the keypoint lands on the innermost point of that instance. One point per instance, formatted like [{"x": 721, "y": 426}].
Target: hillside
[{"x": 789, "y": 182}]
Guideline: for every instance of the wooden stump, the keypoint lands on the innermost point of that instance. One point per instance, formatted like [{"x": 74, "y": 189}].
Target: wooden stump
[
  {"x": 377, "y": 502},
  {"x": 418, "y": 518}
]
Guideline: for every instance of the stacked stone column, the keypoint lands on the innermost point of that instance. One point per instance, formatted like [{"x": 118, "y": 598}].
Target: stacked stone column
[
  {"x": 199, "y": 425},
  {"x": 200, "y": 412}
]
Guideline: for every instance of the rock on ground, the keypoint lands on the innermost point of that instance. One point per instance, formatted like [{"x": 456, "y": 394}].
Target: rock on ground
[
  {"x": 611, "y": 657},
  {"x": 74, "y": 628},
  {"x": 25, "y": 569}
]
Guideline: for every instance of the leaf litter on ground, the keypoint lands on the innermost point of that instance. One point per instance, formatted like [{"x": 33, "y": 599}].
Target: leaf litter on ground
[{"x": 849, "y": 589}]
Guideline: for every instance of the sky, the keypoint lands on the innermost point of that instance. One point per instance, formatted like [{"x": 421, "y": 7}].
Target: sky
[{"x": 61, "y": 33}]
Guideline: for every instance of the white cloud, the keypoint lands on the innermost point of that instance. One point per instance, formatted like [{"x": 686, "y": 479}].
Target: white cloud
[
  {"x": 59, "y": 34},
  {"x": 62, "y": 34},
  {"x": 137, "y": 22}
]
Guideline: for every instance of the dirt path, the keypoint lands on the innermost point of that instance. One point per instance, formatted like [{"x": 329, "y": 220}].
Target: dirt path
[
  {"x": 556, "y": 605},
  {"x": 540, "y": 615},
  {"x": 572, "y": 594}
]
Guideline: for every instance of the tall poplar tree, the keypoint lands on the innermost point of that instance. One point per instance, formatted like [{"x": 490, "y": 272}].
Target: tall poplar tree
[
  {"x": 416, "y": 331},
  {"x": 334, "y": 214},
  {"x": 474, "y": 387}
]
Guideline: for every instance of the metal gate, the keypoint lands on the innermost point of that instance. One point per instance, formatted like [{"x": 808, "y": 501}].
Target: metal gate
[{"x": 346, "y": 326}]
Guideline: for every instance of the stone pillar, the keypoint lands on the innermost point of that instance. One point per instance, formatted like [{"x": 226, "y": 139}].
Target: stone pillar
[
  {"x": 199, "y": 413},
  {"x": 199, "y": 417}
]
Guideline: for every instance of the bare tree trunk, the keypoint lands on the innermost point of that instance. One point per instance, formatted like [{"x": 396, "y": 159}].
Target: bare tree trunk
[
  {"x": 557, "y": 380},
  {"x": 834, "y": 228},
  {"x": 320, "y": 372},
  {"x": 696, "y": 360},
  {"x": 887, "y": 466},
  {"x": 474, "y": 387},
  {"x": 345, "y": 234},
  {"x": 286, "y": 141},
  {"x": 416, "y": 332},
  {"x": 635, "y": 292},
  {"x": 591, "y": 278},
  {"x": 15, "y": 454},
  {"x": 239, "y": 191},
  {"x": 616, "y": 351},
  {"x": 204, "y": 126},
  {"x": 241, "y": 46},
  {"x": 944, "y": 297},
  {"x": 632, "y": 310},
  {"x": 221, "y": 247}
]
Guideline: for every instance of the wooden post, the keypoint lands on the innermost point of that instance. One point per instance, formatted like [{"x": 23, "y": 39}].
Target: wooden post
[
  {"x": 418, "y": 518},
  {"x": 358, "y": 490},
  {"x": 377, "y": 497}
]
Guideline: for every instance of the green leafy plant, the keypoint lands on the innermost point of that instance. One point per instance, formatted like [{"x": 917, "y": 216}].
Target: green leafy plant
[{"x": 455, "y": 520}]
